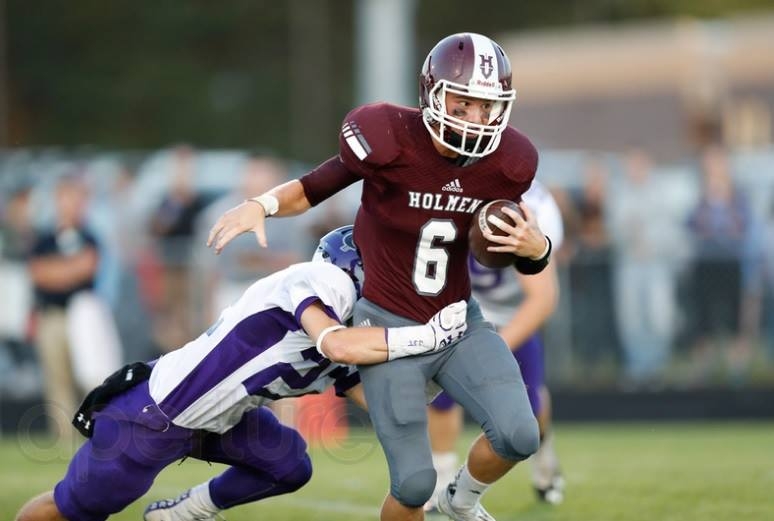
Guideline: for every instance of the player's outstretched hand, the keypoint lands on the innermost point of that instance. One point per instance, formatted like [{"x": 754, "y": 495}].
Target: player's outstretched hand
[
  {"x": 449, "y": 324},
  {"x": 248, "y": 216}
]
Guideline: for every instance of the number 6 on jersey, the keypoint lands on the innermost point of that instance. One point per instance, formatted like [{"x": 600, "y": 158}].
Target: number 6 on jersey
[{"x": 431, "y": 261}]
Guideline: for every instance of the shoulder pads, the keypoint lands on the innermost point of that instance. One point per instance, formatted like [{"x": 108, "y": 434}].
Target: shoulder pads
[{"x": 367, "y": 136}]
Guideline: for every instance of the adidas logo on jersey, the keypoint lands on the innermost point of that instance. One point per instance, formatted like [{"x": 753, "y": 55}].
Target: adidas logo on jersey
[{"x": 453, "y": 186}]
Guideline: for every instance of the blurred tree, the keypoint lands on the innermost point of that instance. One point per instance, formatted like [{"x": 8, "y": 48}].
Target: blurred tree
[
  {"x": 146, "y": 74},
  {"x": 143, "y": 74}
]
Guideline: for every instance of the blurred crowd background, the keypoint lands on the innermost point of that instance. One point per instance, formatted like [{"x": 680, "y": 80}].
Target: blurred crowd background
[{"x": 127, "y": 129}]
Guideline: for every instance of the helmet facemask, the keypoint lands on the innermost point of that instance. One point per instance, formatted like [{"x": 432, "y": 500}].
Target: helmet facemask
[{"x": 463, "y": 137}]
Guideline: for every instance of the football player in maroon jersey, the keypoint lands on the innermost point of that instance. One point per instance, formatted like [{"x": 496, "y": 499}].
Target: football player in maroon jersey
[{"x": 425, "y": 173}]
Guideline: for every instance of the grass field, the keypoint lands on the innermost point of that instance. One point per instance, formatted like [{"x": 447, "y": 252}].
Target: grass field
[{"x": 631, "y": 472}]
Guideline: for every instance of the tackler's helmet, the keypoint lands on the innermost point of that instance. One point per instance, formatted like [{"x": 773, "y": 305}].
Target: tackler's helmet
[
  {"x": 338, "y": 247},
  {"x": 473, "y": 65}
]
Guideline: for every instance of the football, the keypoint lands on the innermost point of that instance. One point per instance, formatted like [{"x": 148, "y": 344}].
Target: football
[{"x": 478, "y": 243}]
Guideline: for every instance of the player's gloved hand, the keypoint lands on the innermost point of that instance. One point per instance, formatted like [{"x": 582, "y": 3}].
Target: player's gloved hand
[
  {"x": 442, "y": 330},
  {"x": 449, "y": 324}
]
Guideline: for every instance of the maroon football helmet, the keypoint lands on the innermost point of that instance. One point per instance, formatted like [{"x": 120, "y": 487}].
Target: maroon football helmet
[{"x": 473, "y": 65}]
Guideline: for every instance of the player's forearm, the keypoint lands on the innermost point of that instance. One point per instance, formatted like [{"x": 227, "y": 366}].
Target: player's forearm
[
  {"x": 330, "y": 177},
  {"x": 541, "y": 297},
  {"x": 353, "y": 346},
  {"x": 374, "y": 345},
  {"x": 291, "y": 199},
  {"x": 298, "y": 195},
  {"x": 526, "y": 321}
]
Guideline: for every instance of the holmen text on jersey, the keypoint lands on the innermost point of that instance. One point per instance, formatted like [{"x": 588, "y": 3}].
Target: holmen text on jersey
[{"x": 443, "y": 202}]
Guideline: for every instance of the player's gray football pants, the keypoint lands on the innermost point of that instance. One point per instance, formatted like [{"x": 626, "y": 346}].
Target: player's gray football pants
[{"x": 479, "y": 372}]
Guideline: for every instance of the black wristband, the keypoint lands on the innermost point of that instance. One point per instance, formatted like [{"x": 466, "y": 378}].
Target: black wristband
[{"x": 529, "y": 266}]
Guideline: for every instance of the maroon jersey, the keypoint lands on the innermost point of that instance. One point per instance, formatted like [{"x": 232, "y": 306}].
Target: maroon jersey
[{"x": 416, "y": 207}]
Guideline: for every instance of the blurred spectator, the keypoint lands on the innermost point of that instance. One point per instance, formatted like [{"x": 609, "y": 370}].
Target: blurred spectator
[
  {"x": 63, "y": 262},
  {"x": 173, "y": 224},
  {"x": 122, "y": 204},
  {"x": 719, "y": 225},
  {"x": 123, "y": 244},
  {"x": 767, "y": 240},
  {"x": 590, "y": 277},
  {"x": 18, "y": 375},
  {"x": 15, "y": 225},
  {"x": 224, "y": 277},
  {"x": 571, "y": 221},
  {"x": 646, "y": 244},
  {"x": 757, "y": 306}
]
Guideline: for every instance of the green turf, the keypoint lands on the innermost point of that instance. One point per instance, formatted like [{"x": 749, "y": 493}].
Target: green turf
[{"x": 637, "y": 472}]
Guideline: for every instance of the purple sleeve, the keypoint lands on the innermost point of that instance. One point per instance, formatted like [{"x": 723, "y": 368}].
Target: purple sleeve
[
  {"x": 308, "y": 302},
  {"x": 327, "y": 179}
]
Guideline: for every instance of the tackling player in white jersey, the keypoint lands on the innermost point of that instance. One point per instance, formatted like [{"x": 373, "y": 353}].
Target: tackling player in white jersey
[{"x": 284, "y": 337}]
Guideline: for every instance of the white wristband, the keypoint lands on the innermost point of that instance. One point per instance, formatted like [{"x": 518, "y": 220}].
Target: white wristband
[
  {"x": 409, "y": 340},
  {"x": 269, "y": 202},
  {"x": 325, "y": 332}
]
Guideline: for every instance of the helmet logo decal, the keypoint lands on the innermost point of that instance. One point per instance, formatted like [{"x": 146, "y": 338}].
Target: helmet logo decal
[
  {"x": 486, "y": 65},
  {"x": 338, "y": 247},
  {"x": 348, "y": 242}
]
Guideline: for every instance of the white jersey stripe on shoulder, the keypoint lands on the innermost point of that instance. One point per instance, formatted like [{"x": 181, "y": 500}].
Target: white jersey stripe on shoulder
[{"x": 356, "y": 147}]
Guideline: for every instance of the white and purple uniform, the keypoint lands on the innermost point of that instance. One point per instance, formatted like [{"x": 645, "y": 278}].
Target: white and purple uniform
[
  {"x": 204, "y": 401},
  {"x": 499, "y": 293},
  {"x": 255, "y": 351}
]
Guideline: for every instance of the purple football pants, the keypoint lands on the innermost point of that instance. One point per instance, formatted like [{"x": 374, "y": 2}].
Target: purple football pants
[
  {"x": 530, "y": 359},
  {"x": 133, "y": 441}
]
